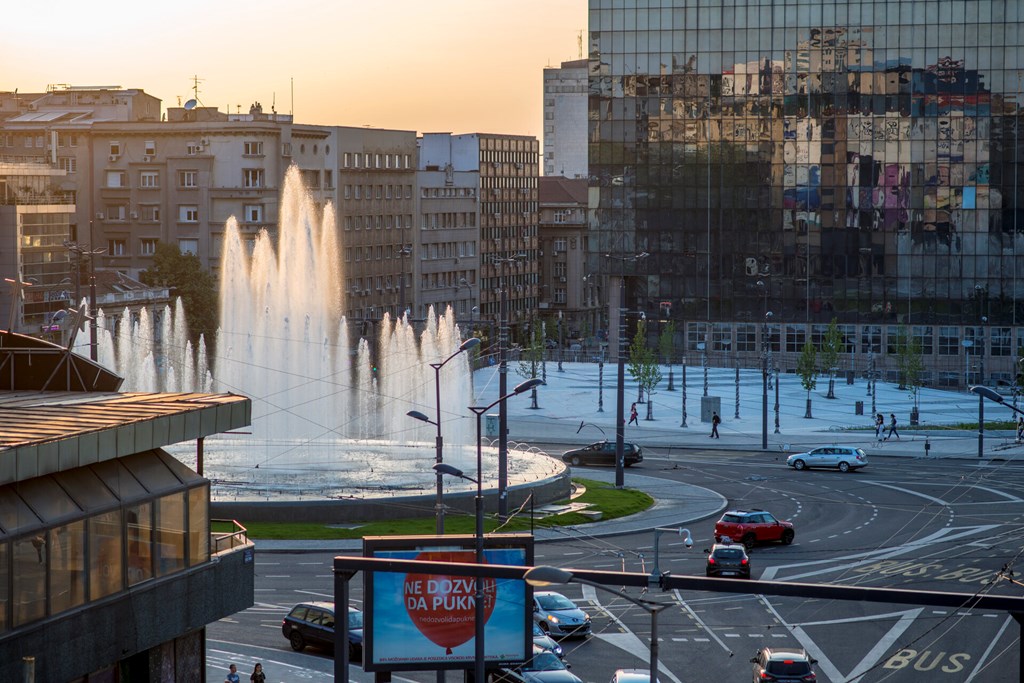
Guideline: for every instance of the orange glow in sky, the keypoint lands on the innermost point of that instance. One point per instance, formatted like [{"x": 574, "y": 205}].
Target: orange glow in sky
[{"x": 423, "y": 65}]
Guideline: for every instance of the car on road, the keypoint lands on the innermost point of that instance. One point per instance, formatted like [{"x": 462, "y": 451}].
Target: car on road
[
  {"x": 783, "y": 665},
  {"x": 312, "y": 623},
  {"x": 727, "y": 559},
  {"x": 546, "y": 642},
  {"x": 843, "y": 458},
  {"x": 753, "y": 526},
  {"x": 543, "y": 667},
  {"x": 558, "y": 616},
  {"x": 603, "y": 453}
]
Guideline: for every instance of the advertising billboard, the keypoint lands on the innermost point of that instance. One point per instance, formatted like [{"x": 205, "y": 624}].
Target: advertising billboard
[{"x": 426, "y": 621}]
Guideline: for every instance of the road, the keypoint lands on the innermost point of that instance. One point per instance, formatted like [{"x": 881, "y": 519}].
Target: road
[{"x": 948, "y": 525}]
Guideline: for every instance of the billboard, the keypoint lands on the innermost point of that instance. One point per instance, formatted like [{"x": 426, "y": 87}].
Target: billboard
[{"x": 423, "y": 621}]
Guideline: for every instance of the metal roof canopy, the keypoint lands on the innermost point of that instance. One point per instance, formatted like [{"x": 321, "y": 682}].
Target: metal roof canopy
[{"x": 28, "y": 363}]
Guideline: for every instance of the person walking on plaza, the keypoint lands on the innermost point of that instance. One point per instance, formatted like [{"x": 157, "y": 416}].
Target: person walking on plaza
[
  {"x": 715, "y": 421},
  {"x": 257, "y": 674},
  {"x": 1020, "y": 429},
  {"x": 892, "y": 427},
  {"x": 232, "y": 676},
  {"x": 879, "y": 426},
  {"x": 633, "y": 415}
]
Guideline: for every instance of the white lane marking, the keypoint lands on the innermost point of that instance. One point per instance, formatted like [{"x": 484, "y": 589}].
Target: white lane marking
[
  {"x": 847, "y": 562},
  {"x": 980, "y": 666},
  {"x": 906, "y": 618},
  {"x": 995, "y": 492},
  {"x": 707, "y": 629},
  {"x": 911, "y": 492}
]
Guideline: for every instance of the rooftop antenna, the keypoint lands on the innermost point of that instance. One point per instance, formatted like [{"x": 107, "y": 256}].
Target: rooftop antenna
[
  {"x": 291, "y": 111},
  {"x": 195, "y": 89},
  {"x": 273, "y": 103},
  {"x": 579, "y": 44}
]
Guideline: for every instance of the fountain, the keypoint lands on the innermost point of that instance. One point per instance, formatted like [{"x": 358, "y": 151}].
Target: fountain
[{"x": 325, "y": 423}]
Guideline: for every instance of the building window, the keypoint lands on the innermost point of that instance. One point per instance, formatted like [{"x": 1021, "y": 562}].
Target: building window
[
  {"x": 170, "y": 534},
  {"x": 949, "y": 341},
  {"x": 188, "y": 246},
  {"x": 252, "y": 148},
  {"x": 106, "y": 573},
  {"x": 192, "y": 149},
  {"x": 29, "y": 581},
  {"x": 796, "y": 337},
  {"x": 140, "y": 542},
  {"x": 149, "y": 179},
  {"x": 1000, "y": 341},
  {"x": 346, "y": 159},
  {"x": 746, "y": 338},
  {"x": 115, "y": 148},
  {"x": 149, "y": 148},
  {"x": 924, "y": 338},
  {"x": 69, "y": 164},
  {"x": 188, "y": 179},
  {"x": 117, "y": 247},
  {"x": 117, "y": 179},
  {"x": 328, "y": 180},
  {"x": 147, "y": 246},
  {"x": 252, "y": 177},
  {"x": 67, "y": 566},
  {"x": 188, "y": 213},
  {"x": 252, "y": 213},
  {"x": 721, "y": 338},
  {"x": 559, "y": 245},
  {"x": 198, "y": 525},
  {"x": 116, "y": 212},
  {"x": 150, "y": 212}
]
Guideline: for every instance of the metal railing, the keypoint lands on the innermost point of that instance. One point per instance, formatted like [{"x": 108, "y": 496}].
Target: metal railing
[{"x": 227, "y": 534}]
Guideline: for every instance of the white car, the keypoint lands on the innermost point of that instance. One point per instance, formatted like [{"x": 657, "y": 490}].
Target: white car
[
  {"x": 558, "y": 616},
  {"x": 844, "y": 458}
]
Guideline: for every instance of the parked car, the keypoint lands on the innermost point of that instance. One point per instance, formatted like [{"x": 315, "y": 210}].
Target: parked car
[
  {"x": 603, "y": 453},
  {"x": 845, "y": 458},
  {"x": 727, "y": 559},
  {"x": 783, "y": 665},
  {"x": 558, "y": 616},
  {"x": 312, "y": 623},
  {"x": 753, "y": 526},
  {"x": 543, "y": 667},
  {"x": 546, "y": 642}
]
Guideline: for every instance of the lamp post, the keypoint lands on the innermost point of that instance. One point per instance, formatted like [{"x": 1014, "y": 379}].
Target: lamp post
[
  {"x": 438, "y": 440},
  {"x": 683, "y": 379},
  {"x": 81, "y": 252},
  {"x": 984, "y": 392},
  {"x": 764, "y": 379},
  {"x": 545, "y": 576},
  {"x": 444, "y": 468}
]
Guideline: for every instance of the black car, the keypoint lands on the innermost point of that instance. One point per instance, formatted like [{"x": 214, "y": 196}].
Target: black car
[
  {"x": 728, "y": 559},
  {"x": 603, "y": 453},
  {"x": 312, "y": 623}
]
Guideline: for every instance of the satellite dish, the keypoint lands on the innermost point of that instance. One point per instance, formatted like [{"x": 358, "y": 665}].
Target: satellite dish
[{"x": 190, "y": 105}]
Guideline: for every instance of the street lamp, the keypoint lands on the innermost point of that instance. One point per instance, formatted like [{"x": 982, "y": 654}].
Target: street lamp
[
  {"x": 444, "y": 468},
  {"x": 403, "y": 252},
  {"x": 545, "y": 576},
  {"x": 438, "y": 440},
  {"x": 764, "y": 378}
]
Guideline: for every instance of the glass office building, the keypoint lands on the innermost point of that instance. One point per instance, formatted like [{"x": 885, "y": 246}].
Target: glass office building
[{"x": 848, "y": 160}]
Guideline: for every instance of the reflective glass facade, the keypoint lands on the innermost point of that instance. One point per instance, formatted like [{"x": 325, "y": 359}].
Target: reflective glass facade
[{"x": 849, "y": 160}]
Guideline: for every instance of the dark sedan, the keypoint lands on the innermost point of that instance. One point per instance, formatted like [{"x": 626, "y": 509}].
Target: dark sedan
[{"x": 603, "y": 453}]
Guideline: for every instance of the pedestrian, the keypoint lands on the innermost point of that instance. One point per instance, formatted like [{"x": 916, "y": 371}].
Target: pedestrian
[
  {"x": 633, "y": 415},
  {"x": 257, "y": 674},
  {"x": 1020, "y": 429},
  {"x": 892, "y": 426},
  {"x": 232, "y": 676},
  {"x": 879, "y": 426},
  {"x": 715, "y": 421}
]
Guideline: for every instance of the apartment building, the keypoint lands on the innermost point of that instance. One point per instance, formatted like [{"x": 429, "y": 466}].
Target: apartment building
[{"x": 565, "y": 119}]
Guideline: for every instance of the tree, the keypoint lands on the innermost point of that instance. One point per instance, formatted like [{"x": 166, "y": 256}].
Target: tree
[
  {"x": 530, "y": 358},
  {"x": 807, "y": 369},
  {"x": 910, "y": 363},
  {"x": 830, "y": 347},
  {"x": 185, "y": 277},
  {"x": 643, "y": 366}
]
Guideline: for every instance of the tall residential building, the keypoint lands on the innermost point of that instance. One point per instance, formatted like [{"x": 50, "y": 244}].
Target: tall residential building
[
  {"x": 506, "y": 167},
  {"x": 836, "y": 160},
  {"x": 565, "y": 119}
]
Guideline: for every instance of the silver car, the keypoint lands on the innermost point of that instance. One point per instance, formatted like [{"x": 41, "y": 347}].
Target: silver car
[
  {"x": 844, "y": 458},
  {"x": 559, "y": 616}
]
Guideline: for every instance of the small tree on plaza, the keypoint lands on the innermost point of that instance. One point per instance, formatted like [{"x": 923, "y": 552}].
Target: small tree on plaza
[
  {"x": 830, "y": 347},
  {"x": 666, "y": 346},
  {"x": 531, "y": 357},
  {"x": 807, "y": 369},
  {"x": 643, "y": 366},
  {"x": 910, "y": 364}
]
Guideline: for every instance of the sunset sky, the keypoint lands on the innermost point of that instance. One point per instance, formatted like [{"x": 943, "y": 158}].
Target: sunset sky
[{"x": 423, "y": 65}]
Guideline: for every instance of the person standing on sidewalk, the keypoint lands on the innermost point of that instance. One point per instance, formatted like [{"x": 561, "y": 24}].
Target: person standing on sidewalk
[
  {"x": 879, "y": 426},
  {"x": 892, "y": 427},
  {"x": 715, "y": 421},
  {"x": 633, "y": 415},
  {"x": 232, "y": 676}
]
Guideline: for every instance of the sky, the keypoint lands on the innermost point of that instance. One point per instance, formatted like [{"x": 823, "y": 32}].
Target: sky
[{"x": 438, "y": 66}]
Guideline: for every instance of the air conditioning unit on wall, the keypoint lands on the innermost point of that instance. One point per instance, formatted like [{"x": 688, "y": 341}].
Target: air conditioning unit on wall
[
  {"x": 114, "y": 157},
  {"x": 146, "y": 158}
]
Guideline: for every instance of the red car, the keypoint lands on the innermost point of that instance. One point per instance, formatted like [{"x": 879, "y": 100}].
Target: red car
[{"x": 753, "y": 526}]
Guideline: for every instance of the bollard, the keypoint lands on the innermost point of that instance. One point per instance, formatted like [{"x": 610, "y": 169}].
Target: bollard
[{"x": 927, "y": 446}]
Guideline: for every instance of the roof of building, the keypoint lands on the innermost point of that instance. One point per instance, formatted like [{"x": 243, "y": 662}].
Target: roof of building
[{"x": 562, "y": 190}]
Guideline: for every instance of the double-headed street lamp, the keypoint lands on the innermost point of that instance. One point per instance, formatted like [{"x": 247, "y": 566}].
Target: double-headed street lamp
[
  {"x": 992, "y": 395},
  {"x": 444, "y": 468},
  {"x": 545, "y": 576},
  {"x": 438, "y": 440}
]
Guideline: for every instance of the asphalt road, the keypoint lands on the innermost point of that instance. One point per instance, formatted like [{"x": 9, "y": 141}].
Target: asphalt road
[{"x": 947, "y": 525}]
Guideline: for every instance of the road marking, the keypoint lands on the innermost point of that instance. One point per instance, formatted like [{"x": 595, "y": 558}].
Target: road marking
[
  {"x": 700, "y": 621},
  {"x": 980, "y": 666},
  {"x": 277, "y": 576},
  {"x": 911, "y": 492}
]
